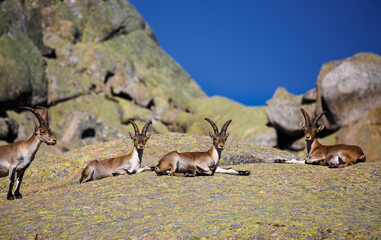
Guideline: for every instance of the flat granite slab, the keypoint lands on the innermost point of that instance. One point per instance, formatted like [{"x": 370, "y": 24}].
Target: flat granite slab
[{"x": 277, "y": 201}]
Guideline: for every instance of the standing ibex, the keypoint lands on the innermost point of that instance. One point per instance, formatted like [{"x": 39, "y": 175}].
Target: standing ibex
[
  {"x": 126, "y": 164},
  {"x": 332, "y": 156},
  {"x": 198, "y": 163},
  {"x": 16, "y": 157}
]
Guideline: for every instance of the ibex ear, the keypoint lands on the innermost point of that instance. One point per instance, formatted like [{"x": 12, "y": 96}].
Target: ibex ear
[
  {"x": 227, "y": 135},
  {"x": 320, "y": 128},
  {"x": 131, "y": 136},
  {"x": 35, "y": 130},
  {"x": 211, "y": 135},
  {"x": 302, "y": 125},
  {"x": 148, "y": 136}
]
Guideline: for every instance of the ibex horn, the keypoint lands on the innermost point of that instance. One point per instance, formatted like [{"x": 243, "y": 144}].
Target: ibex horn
[
  {"x": 318, "y": 117},
  {"x": 135, "y": 127},
  {"x": 38, "y": 116},
  {"x": 145, "y": 128},
  {"x": 215, "y": 128},
  {"x": 225, "y": 127},
  {"x": 45, "y": 114},
  {"x": 306, "y": 117}
]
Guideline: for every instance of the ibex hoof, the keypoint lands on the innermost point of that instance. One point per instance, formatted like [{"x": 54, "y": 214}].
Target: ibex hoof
[
  {"x": 244, "y": 173},
  {"x": 18, "y": 195},
  {"x": 10, "y": 197},
  {"x": 152, "y": 168},
  {"x": 187, "y": 174}
]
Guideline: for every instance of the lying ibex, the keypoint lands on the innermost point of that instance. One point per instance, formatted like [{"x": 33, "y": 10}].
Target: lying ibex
[
  {"x": 16, "y": 157},
  {"x": 332, "y": 156},
  {"x": 198, "y": 163},
  {"x": 122, "y": 165}
]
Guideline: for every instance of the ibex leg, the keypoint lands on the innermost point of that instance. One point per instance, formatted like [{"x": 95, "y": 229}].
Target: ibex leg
[
  {"x": 10, "y": 196},
  {"x": 18, "y": 184}
]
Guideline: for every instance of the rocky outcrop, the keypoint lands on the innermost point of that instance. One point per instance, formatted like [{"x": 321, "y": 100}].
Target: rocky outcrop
[
  {"x": 349, "y": 89},
  {"x": 65, "y": 54}
]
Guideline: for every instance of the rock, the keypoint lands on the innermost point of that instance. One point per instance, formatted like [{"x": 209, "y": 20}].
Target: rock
[
  {"x": 366, "y": 133},
  {"x": 309, "y": 97},
  {"x": 159, "y": 127},
  {"x": 63, "y": 83},
  {"x": 298, "y": 145},
  {"x": 169, "y": 117},
  {"x": 21, "y": 64},
  {"x": 60, "y": 53},
  {"x": 355, "y": 80},
  {"x": 153, "y": 70},
  {"x": 249, "y": 123},
  {"x": 283, "y": 112},
  {"x": 130, "y": 111},
  {"x": 3, "y": 128},
  {"x": 85, "y": 120},
  {"x": 131, "y": 87}
]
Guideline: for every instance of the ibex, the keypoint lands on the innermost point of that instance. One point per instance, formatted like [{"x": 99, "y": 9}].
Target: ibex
[
  {"x": 198, "y": 163},
  {"x": 122, "y": 165},
  {"x": 332, "y": 156},
  {"x": 16, "y": 157}
]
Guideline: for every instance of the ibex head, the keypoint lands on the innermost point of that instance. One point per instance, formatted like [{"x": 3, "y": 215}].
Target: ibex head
[
  {"x": 310, "y": 127},
  {"x": 140, "y": 139},
  {"x": 43, "y": 131},
  {"x": 219, "y": 138}
]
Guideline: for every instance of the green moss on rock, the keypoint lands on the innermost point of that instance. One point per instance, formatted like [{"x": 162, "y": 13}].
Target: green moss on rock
[{"x": 248, "y": 122}]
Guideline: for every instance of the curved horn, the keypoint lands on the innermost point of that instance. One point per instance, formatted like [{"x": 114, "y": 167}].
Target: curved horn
[
  {"x": 306, "y": 117},
  {"x": 215, "y": 128},
  {"x": 145, "y": 128},
  {"x": 316, "y": 119},
  {"x": 135, "y": 127},
  {"x": 45, "y": 114},
  {"x": 38, "y": 116},
  {"x": 225, "y": 127}
]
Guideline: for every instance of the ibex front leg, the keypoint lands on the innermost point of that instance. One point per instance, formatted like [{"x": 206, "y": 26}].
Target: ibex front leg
[
  {"x": 18, "y": 184},
  {"x": 10, "y": 196},
  {"x": 146, "y": 168},
  {"x": 231, "y": 171}
]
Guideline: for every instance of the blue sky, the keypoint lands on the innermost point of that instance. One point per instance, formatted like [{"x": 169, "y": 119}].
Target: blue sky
[{"x": 245, "y": 49}]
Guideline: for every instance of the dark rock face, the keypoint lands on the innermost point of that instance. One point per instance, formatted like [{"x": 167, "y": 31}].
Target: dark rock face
[{"x": 350, "y": 89}]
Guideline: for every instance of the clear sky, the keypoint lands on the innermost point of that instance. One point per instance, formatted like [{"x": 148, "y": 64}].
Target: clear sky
[{"x": 245, "y": 49}]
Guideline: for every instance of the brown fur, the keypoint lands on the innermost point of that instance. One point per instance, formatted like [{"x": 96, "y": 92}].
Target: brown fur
[
  {"x": 339, "y": 155},
  {"x": 198, "y": 163},
  {"x": 16, "y": 157},
  {"x": 122, "y": 165}
]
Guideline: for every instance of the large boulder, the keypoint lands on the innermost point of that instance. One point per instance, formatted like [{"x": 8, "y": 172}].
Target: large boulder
[
  {"x": 365, "y": 133},
  {"x": 283, "y": 112},
  {"x": 348, "y": 89}
]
